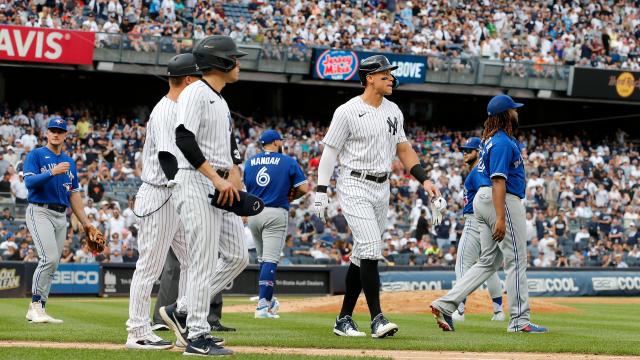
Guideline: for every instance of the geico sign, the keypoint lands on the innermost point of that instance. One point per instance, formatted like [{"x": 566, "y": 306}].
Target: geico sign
[
  {"x": 411, "y": 285},
  {"x": 553, "y": 284},
  {"x": 77, "y": 277},
  {"x": 20, "y": 42}
]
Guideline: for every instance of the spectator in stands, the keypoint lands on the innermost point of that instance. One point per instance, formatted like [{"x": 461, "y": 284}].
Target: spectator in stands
[
  {"x": 5, "y": 185},
  {"x": 130, "y": 256},
  {"x": 116, "y": 223},
  {"x": 340, "y": 222},
  {"x": 7, "y": 216},
  {"x": 8, "y": 247},
  {"x": 95, "y": 189},
  {"x": 31, "y": 255},
  {"x": 306, "y": 230},
  {"x": 67, "y": 255},
  {"x": 83, "y": 255},
  {"x": 632, "y": 237},
  {"x": 19, "y": 189},
  {"x": 116, "y": 256},
  {"x": 104, "y": 256}
]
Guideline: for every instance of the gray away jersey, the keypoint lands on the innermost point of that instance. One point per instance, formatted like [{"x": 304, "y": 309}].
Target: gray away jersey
[
  {"x": 366, "y": 137},
  {"x": 205, "y": 113},
  {"x": 160, "y": 137}
]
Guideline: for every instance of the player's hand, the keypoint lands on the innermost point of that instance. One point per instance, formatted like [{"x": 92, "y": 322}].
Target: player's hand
[
  {"x": 235, "y": 177},
  {"x": 60, "y": 168},
  {"x": 499, "y": 230},
  {"x": 320, "y": 204},
  {"x": 228, "y": 192},
  {"x": 431, "y": 189}
]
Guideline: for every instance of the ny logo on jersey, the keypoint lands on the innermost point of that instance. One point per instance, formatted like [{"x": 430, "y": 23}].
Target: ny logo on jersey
[{"x": 393, "y": 125}]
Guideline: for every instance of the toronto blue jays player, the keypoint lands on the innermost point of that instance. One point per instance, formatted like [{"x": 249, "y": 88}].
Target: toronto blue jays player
[
  {"x": 469, "y": 244},
  {"x": 52, "y": 180},
  {"x": 276, "y": 179},
  {"x": 501, "y": 221}
]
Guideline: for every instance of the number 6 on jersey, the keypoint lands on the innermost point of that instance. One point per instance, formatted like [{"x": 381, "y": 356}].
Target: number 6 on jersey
[{"x": 262, "y": 177}]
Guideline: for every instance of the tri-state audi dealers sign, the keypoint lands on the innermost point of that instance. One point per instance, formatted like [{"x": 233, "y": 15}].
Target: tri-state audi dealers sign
[{"x": 22, "y": 43}]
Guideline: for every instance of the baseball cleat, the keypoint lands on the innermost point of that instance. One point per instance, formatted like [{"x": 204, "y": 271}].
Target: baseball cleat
[
  {"x": 347, "y": 327},
  {"x": 445, "y": 322},
  {"x": 457, "y": 317},
  {"x": 205, "y": 346},
  {"x": 274, "y": 306},
  {"x": 159, "y": 327},
  {"x": 37, "y": 315},
  {"x": 264, "y": 313},
  {"x": 177, "y": 322},
  {"x": 498, "y": 316},
  {"x": 531, "y": 328},
  {"x": 151, "y": 342},
  {"x": 381, "y": 327}
]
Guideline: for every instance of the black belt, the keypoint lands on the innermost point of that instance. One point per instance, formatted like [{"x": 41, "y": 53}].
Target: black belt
[
  {"x": 54, "y": 207},
  {"x": 378, "y": 179},
  {"x": 223, "y": 173}
]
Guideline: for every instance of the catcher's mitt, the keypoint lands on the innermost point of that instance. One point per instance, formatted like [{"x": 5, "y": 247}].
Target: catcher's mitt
[{"x": 95, "y": 239}]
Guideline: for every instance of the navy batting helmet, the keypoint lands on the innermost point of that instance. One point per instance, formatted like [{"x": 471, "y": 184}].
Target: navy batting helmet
[
  {"x": 182, "y": 65},
  {"x": 375, "y": 64},
  {"x": 217, "y": 52}
]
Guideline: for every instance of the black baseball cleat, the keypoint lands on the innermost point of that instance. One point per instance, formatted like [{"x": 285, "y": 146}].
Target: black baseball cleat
[
  {"x": 345, "y": 326},
  {"x": 205, "y": 346},
  {"x": 178, "y": 323},
  {"x": 217, "y": 326},
  {"x": 381, "y": 327}
]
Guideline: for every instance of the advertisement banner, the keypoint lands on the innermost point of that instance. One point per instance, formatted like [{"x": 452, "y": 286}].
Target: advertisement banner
[
  {"x": 604, "y": 84},
  {"x": 22, "y": 43},
  {"x": 13, "y": 281},
  {"x": 116, "y": 279},
  {"x": 342, "y": 65},
  {"x": 541, "y": 283},
  {"x": 76, "y": 279}
]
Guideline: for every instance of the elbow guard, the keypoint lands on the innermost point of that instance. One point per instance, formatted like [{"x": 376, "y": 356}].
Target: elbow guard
[
  {"x": 168, "y": 163},
  {"x": 186, "y": 142}
]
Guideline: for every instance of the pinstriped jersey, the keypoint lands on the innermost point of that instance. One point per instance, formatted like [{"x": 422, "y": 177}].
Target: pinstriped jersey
[
  {"x": 366, "y": 137},
  {"x": 205, "y": 113},
  {"x": 160, "y": 137}
]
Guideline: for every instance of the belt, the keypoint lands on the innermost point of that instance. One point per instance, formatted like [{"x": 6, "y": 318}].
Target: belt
[
  {"x": 54, "y": 207},
  {"x": 377, "y": 179}
]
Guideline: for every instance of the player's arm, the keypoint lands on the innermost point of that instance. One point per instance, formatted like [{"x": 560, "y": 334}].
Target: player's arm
[
  {"x": 299, "y": 181},
  {"x": 75, "y": 199},
  {"x": 410, "y": 161},
  {"x": 499, "y": 160},
  {"x": 34, "y": 179},
  {"x": 235, "y": 175}
]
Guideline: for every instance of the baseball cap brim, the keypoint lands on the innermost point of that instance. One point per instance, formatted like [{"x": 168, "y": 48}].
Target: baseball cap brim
[
  {"x": 385, "y": 68},
  {"x": 57, "y": 127},
  {"x": 517, "y": 105},
  {"x": 463, "y": 147},
  {"x": 238, "y": 54}
]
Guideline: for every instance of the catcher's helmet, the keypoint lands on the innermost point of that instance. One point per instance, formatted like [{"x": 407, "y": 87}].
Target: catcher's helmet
[
  {"x": 182, "y": 65},
  {"x": 217, "y": 52},
  {"x": 375, "y": 64}
]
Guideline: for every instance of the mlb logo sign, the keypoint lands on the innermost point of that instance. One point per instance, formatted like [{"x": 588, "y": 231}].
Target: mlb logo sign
[{"x": 336, "y": 65}]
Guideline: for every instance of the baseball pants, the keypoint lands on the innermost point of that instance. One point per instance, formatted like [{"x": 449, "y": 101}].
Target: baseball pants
[
  {"x": 49, "y": 230},
  {"x": 168, "y": 292},
  {"x": 269, "y": 229},
  {"x": 158, "y": 232},
  {"x": 209, "y": 232},
  {"x": 364, "y": 204},
  {"x": 469, "y": 253},
  {"x": 512, "y": 249}
]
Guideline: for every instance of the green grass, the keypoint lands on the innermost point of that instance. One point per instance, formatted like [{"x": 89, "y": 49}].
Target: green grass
[
  {"x": 596, "y": 329},
  {"x": 66, "y": 354}
]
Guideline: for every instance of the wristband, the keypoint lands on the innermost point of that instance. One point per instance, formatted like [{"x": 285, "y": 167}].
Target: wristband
[
  {"x": 321, "y": 188},
  {"x": 418, "y": 172}
]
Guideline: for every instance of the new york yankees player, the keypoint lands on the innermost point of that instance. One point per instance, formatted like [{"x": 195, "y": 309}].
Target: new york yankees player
[
  {"x": 203, "y": 131},
  {"x": 469, "y": 244},
  {"x": 52, "y": 180},
  {"x": 160, "y": 226},
  {"x": 366, "y": 134},
  {"x": 501, "y": 221},
  {"x": 271, "y": 176}
]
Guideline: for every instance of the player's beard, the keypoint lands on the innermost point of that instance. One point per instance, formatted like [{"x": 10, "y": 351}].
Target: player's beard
[
  {"x": 514, "y": 123},
  {"x": 472, "y": 160}
]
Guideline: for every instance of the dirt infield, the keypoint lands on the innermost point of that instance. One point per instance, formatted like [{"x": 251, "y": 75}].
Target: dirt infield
[
  {"x": 390, "y": 354},
  {"x": 409, "y": 302}
]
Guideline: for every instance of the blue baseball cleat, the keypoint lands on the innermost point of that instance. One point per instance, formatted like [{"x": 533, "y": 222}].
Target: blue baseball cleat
[
  {"x": 445, "y": 322},
  {"x": 532, "y": 328}
]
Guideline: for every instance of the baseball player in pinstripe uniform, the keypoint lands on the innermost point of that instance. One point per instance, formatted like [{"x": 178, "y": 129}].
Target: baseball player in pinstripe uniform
[
  {"x": 52, "y": 180},
  {"x": 203, "y": 131},
  {"x": 469, "y": 244},
  {"x": 501, "y": 221},
  {"x": 160, "y": 226},
  {"x": 366, "y": 134},
  {"x": 272, "y": 177}
]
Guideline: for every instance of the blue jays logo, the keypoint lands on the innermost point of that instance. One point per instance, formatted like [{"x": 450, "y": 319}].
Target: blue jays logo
[
  {"x": 59, "y": 121},
  {"x": 68, "y": 186}
]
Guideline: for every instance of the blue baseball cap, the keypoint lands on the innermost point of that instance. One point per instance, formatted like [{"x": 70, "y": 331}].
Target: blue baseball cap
[
  {"x": 501, "y": 103},
  {"x": 269, "y": 136},
  {"x": 473, "y": 143},
  {"x": 57, "y": 123}
]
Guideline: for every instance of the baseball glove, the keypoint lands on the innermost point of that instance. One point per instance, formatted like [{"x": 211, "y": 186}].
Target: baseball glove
[{"x": 95, "y": 239}]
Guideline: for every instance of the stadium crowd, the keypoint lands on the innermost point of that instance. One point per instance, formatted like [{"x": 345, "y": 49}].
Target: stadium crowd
[
  {"x": 602, "y": 34},
  {"x": 582, "y": 199}
]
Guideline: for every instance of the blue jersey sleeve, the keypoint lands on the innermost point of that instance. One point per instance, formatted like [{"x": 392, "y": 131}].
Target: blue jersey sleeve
[
  {"x": 32, "y": 176},
  {"x": 499, "y": 159},
  {"x": 297, "y": 176}
]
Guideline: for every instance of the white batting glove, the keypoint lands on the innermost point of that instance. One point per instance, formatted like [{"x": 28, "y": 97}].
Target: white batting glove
[
  {"x": 320, "y": 204},
  {"x": 438, "y": 207}
]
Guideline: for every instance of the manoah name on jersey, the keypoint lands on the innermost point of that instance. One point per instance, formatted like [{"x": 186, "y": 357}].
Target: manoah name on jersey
[{"x": 264, "y": 161}]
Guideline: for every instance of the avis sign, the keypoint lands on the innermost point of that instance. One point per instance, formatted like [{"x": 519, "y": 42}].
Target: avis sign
[{"x": 21, "y": 43}]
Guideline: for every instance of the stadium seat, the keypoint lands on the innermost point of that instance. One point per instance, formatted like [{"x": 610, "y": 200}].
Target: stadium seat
[{"x": 323, "y": 261}]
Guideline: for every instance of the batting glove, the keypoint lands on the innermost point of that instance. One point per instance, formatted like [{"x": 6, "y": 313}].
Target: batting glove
[
  {"x": 320, "y": 204},
  {"x": 438, "y": 207}
]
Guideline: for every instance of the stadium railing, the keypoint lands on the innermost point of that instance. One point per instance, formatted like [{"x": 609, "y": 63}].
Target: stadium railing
[{"x": 276, "y": 58}]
